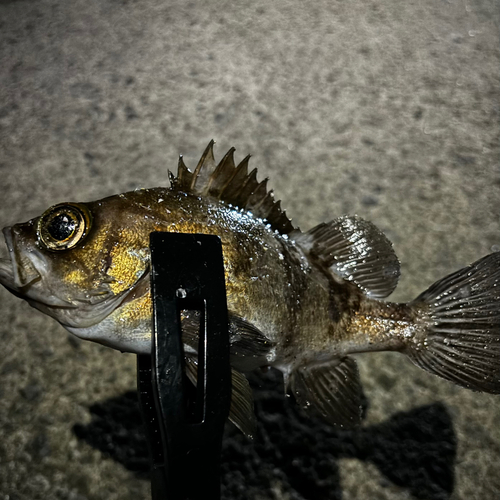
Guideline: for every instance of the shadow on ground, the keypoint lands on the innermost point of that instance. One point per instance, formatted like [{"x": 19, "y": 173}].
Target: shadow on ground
[{"x": 414, "y": 450}]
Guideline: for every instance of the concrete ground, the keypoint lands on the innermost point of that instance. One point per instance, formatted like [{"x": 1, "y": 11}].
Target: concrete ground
[{"x": 388, "y": 110}]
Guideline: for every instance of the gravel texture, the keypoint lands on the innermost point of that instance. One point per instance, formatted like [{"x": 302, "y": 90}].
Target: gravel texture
[{"x": 387, "y": 109}]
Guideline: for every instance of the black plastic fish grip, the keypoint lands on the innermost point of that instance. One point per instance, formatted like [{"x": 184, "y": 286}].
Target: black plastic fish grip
[{"x": 187, "y": 274}]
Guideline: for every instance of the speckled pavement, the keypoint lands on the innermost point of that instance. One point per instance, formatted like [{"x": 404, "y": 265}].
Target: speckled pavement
[{"x": 388, "y": 110}]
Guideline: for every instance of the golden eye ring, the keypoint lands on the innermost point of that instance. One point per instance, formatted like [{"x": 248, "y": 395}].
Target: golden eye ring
[{"x": 63, "y": 226}]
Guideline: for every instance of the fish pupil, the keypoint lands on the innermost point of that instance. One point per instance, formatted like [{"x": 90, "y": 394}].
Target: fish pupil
[{"x": 61, "y": 227}]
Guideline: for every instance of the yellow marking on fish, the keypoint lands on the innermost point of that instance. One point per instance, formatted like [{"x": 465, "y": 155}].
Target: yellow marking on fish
[
  {"x": 96, "y": 241},
  {"x": 126, "y": 268},
  {"x": 77, "y": 276}
]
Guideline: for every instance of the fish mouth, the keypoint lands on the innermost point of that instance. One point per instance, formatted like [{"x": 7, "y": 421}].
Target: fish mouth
[
  {"x": 17, "y": 271},
  {"x": 7, "y": 275}
]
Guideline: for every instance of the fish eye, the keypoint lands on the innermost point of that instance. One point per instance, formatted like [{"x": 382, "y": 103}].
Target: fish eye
[{"x": 63, "y": 226}]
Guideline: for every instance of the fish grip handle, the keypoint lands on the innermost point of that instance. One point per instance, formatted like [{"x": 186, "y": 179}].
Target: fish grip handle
[{"x": 187, "y": 273}]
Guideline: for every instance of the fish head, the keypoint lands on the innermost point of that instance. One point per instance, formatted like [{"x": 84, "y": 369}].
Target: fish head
[{"x": 84, "y": 265}]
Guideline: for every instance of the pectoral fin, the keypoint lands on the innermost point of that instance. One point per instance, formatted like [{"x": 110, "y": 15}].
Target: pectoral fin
[
  {"x": 333, "y": 389},
  {"x": 241, "y": 412},
  {"x": 246, "y": 340}
]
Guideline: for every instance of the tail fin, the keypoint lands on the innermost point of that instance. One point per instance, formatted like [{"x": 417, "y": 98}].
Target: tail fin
[{"x": 458, "y": 337}]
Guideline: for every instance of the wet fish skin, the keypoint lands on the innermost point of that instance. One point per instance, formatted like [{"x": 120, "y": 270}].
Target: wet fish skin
[{"x": 301, "y": 302}]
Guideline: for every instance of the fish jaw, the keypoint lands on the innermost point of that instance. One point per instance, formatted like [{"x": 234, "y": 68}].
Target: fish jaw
[
  {"x": 17, "y": 271},
  {"x": 128, "y": 327}
]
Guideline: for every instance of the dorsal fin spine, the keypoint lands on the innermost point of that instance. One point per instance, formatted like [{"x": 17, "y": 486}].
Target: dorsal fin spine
[
  {"x": 184, "y": 176},
  {"x": 234, "y": 172},
  {"x": 206, "y": 158},
  {"x": 233, "y": 185},
  {"x": 257, "y": 198},
  {"x": 222, "y": 175},
  {"x": 247, "y": 189}
]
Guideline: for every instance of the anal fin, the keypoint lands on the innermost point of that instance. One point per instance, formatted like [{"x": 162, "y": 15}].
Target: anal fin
[{"x": 333, "y": 389}]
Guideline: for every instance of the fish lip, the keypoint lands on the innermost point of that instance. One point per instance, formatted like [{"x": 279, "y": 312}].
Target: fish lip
[
  {"x": 11, "y": 276},
  {"x": 7, "y": 265}
]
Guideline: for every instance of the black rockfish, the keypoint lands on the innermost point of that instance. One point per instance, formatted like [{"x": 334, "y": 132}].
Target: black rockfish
[{"x": 298, "y": 301}]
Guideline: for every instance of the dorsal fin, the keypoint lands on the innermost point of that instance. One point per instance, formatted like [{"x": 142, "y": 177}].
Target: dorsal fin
[
  {"x": 355, "y": 250},
  {"x": 232, "y": 184}
]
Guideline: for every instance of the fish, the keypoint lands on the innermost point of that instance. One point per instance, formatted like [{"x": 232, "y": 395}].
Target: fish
[{"x": 303, "y": 302}]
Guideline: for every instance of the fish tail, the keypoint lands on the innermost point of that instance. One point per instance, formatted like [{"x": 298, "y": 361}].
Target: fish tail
[{"x": 457, "y": 329}]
